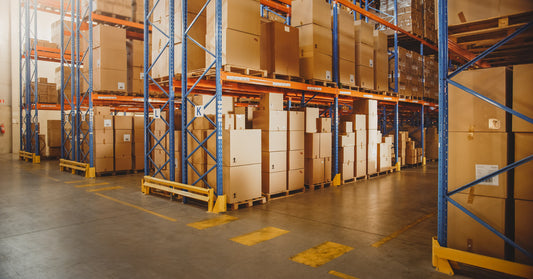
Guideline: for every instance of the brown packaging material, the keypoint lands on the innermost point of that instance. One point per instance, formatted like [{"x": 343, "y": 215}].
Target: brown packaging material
[
  {"x": 271, "y": 102},
  {"x": 325, "y": 145},
  {"x": 317, "y": 66},
  {"x": 274, "y": 182},
  {"x": 314, "y": 11},
  {"x": 346, "y": 154},
  {"x": 522, "y": 101},
  {"x": 280, "y": 48},
  {"x": 372, "y": 159},
  {"x": 103, "y": 164},
  {"x": 123, "y": 122},
  {"x": 314, "y": 170},
  {"x": 363, "y": 33},
  {"x": 241, "y": 183},
  {"x": 370, "y": 109},
  {"x": 274, "y": 161},
  {"x": 54, "y": 133},
  {"x": 323, "y": 125},
  {"x": 522, "y": 173},
  {"x": 347, "y": 72},
  {"x": 238, "y": 48},
  {"x": 312, "y": 145},
  {"x": 241, "y": 147},
  {"x": 347, "y": 140},
  {"x": 295, "y": 179},
  {"x": 360, "y": 168},
  {"x": 273, "y": 141},
  {"x": 270, "y": 120},
  {"x": 241, "y": 15},
  {"x": 364, "y": 77},
  {"x": 327, "y": 169},
  {"x": 311, "y": 114},
  {"x": 240, "y": 121},
  {"x": 347, "y": 170},
  {"x": 313, "y": 39},
  {"x": 296, "y": 140},
  {"x": 296, "y": 121},
  {"x": 295, "y": 159},
  {"x": 523, "y": 229},
  {"x": 346, "y": 127}
]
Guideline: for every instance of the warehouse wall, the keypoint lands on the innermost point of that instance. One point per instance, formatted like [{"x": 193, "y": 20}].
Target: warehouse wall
[{"x": 5, "y": 78}]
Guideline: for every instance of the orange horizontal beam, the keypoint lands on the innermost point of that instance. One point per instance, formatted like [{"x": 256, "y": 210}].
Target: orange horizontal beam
[
  {"x": 276, "y": 6},
  {"x": 288, "y": 2}
]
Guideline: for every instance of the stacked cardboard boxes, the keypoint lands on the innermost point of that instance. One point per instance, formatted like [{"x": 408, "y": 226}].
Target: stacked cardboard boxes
[
  {"x": 295, "y": 147},
  {"x": 364, "y": 54},
  {"x": 432, "y": 143},
  {"x": 360, "y": 141},
  {"x": 314, "y": 165},
  {"x": 347, "y": 150},
  {"x": 241, "y": 31},
  {"x": 121, "y": 8},
  {"x": 431, "y": 78},
  {"x": 138, "y": 142},
  {"x": 103, "y": 135},
  {"x": 430, "y": 30},
  {"x": 324, "y": 132},
  {"x": 123, "y": 142},
  {"x": 410, "y": 73},
  {"x": 279, "y": 48},
  {"x": 53, "y": 132},
  {"x": 46, "y": 92},
  {"x": 370, "y": 109},
  {"x": 381, "y": 61},
  {"x": 313, "y": 19},
  {"x": 272, "y": 121},
  {"x": 135, "y": 68},
  {"x": 346, "y": 48},
  {"x": 410, "y": 15},
  {"x": 384, "y": 153},
  {"x": 65, "y": 82}
]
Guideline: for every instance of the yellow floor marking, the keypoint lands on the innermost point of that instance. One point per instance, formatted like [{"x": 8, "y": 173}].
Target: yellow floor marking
[
  {"x": 341, "y": 275},
  {"x": 321, "y": 254},
  {"x": 220, "y": 220},
  {"x": 76, "y": 181},
  {"x": 136, "y": 207},
  {"x": 91, "y": 184},
  {"x": 259, "y": 236},
  {"x": 400, "y": 231},
  {"x": 105, "y": 189}
]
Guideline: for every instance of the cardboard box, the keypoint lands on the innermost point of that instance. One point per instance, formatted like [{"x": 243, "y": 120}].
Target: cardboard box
[
  {"x": 474, "y": 155},
  {"x": 109, "y": 37},
  {"x": 364, "y": 55},
  {"x": 271, "y": 102},
  {"x": 346, "y": 47},
  {"x": 203, "y": 100},
  {"x": 296, "y": 140},
  {"x": 240, "y": 121},
  {"x": 103, "y": 122},
  {"x": 312, "y": 145},
  {"x": 464, "y": 233},
  {"x": 110, "y": 58},
  {"x": 241, "y": 15},
  {"x": 523, "y": 229},
  {"x": 347, "y": 72},
  {"x": 363, "y": 33},
  {"x": 381, "y": 65},
  {"x": 274, "y": 182},
  {"x": 103, "y": 164},
  {"x": 102, "y": 150},
  {"x": 109, "y": 80},
  {"x": 280, "y": 48},
  {"x": 240, "y": 183},
  {"x": 53, "y": 128},
  {"x": 325, "y": 145},
  {"x": 361, "y": 138},
  {"x": 123, "y": 122},
  {"x": 296, "y": 121},
  {"x": 316, "y": 66},
  {"x": 358, "y": 120},
  {"x": 123, "y": 163},
  {"x": 346, "y": 127},
  {"x": 241, "y": 147},
  {"x": 314, "y": 170},
  {"x": 270, "y": 120},
  {"x": 347, "y": 140},
  {"x": 314, "y": 38},
  {"x": 347, "y": 170},
  {"x": 327, "y": 169},
  {"x": 272, "y": 141},
  {"x": 346, "y": 154},
  {"x": 274, "y": 161},
  {"x": 360, "y": 168},
  {"x": 238, "y": 48},
  {"x": 311, "y": 12},
  {"x": 368, "y": 108},
  {"x": 522, "y": 101},
  {"x": 468, "y": 113},
  {"x": 372, "y": 159},
  {"x": 364, "y": 77},
  {"x": 311, "y": 114},
  {"x": 384, "y": 157},
  {"x": 104, "y": 136},
  {"x": 522, "y": 173},
  {"x": 380, "y": 41},
  {"x": 295, "y": 159},
  {"x": 374, "y": 138},
  {"x": 323, "y": 125},
  {"x": 295, "y": 179}
]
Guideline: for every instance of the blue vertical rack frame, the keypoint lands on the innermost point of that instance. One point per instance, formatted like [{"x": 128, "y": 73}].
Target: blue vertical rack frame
[
  {"x": 335, "y": 106},
  {"x": 29, "y": 113},
  {"x": 396, "y": 74},
  {"x": 67, "y": 133},
  {"x": 84, "y": 102},
  {"x": 150, "y": 166},
  {"x": 444, "y": 197}
]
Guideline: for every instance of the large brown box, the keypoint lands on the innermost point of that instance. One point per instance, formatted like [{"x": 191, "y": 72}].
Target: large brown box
[
  {"x": 103, "y": 164},
  {"x": 272, "y": 141},
  {"x": 295, "y": 179},
  {"x": 323, "y": 125},
  {"x": 295, "y": 140},
  {"x": 474, "y": 155},
  {"x": 381, "y": 65},
  {"x": 347, "y": 72},
  {"x": 346, "y": 154},
  {"x": 271, "y": 102},
  {"x": 522, "y": 101},
  {"x": 238, "y": 48},
  {"x": 54, "y": 133},
  {"x": 103, "y": 122},
  {"x": 280, "y": 48},
  {"x": 327, "y": 169},
  {"x": 523, "y": 229},
  {"x": 368, "y": 108},
  {"x": 274, "y": 161},
  {"x": 123, "y": 163},
  {"x": 109, "y": 37},
  {"x": 522, "y": 173},
  {"x": 346, "y": 126},
  {"x": 360, "y": 168},
  {"x": 317, "y": 66},
  {"x": 372, "y": 159},
  {"x": 104, "y": 136},
  {"x": 314, "y": 171},
  {"x": 312, "y": 145},
  {"x": 241, "y": 147},
  {"x": 471, "y": 114},
  {"x": 109, "y": 80},
  {"x": 358, "y": 120},
  {"x": 380, "y": 41},
  {"x": 240, "y": 183},
  {"x": 295, "y": 159},
  {"x": 347, "y": 170},
  {"x": 364, "y": 55},
  {"x": 241, "y": 15},
  {"x": 102, "y": 150},
  {"x": 464, "y": 233},
  {"x": 269, "y": 120},
  {"x": 123, "y": 122},
  {"x": 311, "y": 114},
  {"x": 347, "y": 140},
  {"x": 109, "y": 58},
  {"x": 363, "y": 33},
  {"x": 296, "y": 121},
  {"x": 346, "y": 48},
  {"x": 384, "y": 157},
  {"x": 274, "y": 182},
  {"x": 311, "y": 12},
  {"x": 364, "y": 77},
  {"x": 325, "y": 145}
]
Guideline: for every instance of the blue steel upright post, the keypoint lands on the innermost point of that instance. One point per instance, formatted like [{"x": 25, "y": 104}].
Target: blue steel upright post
[
  {"x": 396, "y": 75},
  {"x": 34, "y": 73},
  {"x": 335, "y": 115},
  {"x": 443, "y": 124},
  {"x": 172, "y": 47},
  {"x": 146, "y": 69},
  {"x": 218, "y": 30},
  {"x": 21, "y": 81}
]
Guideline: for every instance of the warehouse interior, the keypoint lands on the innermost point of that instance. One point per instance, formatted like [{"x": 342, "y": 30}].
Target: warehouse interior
[{"x": 266, "y": 138}]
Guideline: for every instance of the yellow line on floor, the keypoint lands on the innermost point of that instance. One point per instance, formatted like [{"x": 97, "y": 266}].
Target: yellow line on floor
[
  {"x": 402, "y": 230},
  {"x": 136, "y": 207},
  {"x": 259, "y": 236},
  {"x": 213, "y": 222},
  {"x": 341, "y": 275},
  {"x": 75, "y": 181},
  {"x": 91, "y": 184},
  {"x": 54, "y": 179},
  {"x": 105, "y": 189},
  {"x": 321, "y": 254}
]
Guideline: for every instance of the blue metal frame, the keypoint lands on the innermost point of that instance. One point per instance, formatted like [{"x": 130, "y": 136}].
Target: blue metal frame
[
  {"x": 444, "y": 79},
  {"x": 265, "y": 11}
]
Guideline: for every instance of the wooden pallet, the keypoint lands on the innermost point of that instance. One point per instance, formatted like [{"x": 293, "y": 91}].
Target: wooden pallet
[
  {"x": 345, "y": 181},
  {"x": 286, "y": 77},
  {"x": 108, "y": 14},
  {"x": 211, "y": 74},
  {"x": 364, "y": 177},
  {"x": 349, "y": 87},
  {"x": 247, "y": 203},
  {"x": 321, "y": 82},
  {"x": 283, "y": 194},
  {"x": 245, "y": 71},
  {"x": 366, "y": 90},
  {"x": 110, "y": 92},
  {"x": 318, "y": 186},
  {"x": 381, "y": 173}
]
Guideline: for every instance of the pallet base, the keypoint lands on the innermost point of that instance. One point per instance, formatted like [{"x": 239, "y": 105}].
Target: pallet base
[
  {"x": 284, "y": 194},
  {"x": 385, "y": 172},
  {"x": 247, "y": 203},
  {"x": 286, "y": 77},
  {"x": 319, "y": 82},
  {"x": 318, "y": 186}
]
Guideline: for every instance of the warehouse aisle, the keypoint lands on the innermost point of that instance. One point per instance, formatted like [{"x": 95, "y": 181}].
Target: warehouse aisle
[{"x": 59, "y": 225}]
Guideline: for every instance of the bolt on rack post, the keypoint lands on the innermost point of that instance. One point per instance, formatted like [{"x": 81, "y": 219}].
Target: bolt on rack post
[
  {"x": 441, "y": 254},
  {"x": 29, "y": 97}
]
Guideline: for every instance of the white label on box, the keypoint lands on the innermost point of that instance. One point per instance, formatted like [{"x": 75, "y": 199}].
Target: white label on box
[
  {"x": 108, "y": 123},
  {"x": 494, "y": 124},
  {"x": 83, "y": 117},
  {"x": 199, "y": 111},
  {"x": 98, "y": 63},
  {"x": 121, "y": 86},
  {"x": 287, "y": 29},
  {"x": 141, "y": 76},
  {"x": 127, "y": 137},
  {"x": 371, "y": 63},
  {"x": 328, "y": 75},
  {"x": 484, "y": 170},
  {"x": 157, "y": 113}
]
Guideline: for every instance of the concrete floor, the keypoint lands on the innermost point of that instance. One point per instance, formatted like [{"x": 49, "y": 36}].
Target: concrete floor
[{"x": 53, "y": 229}]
